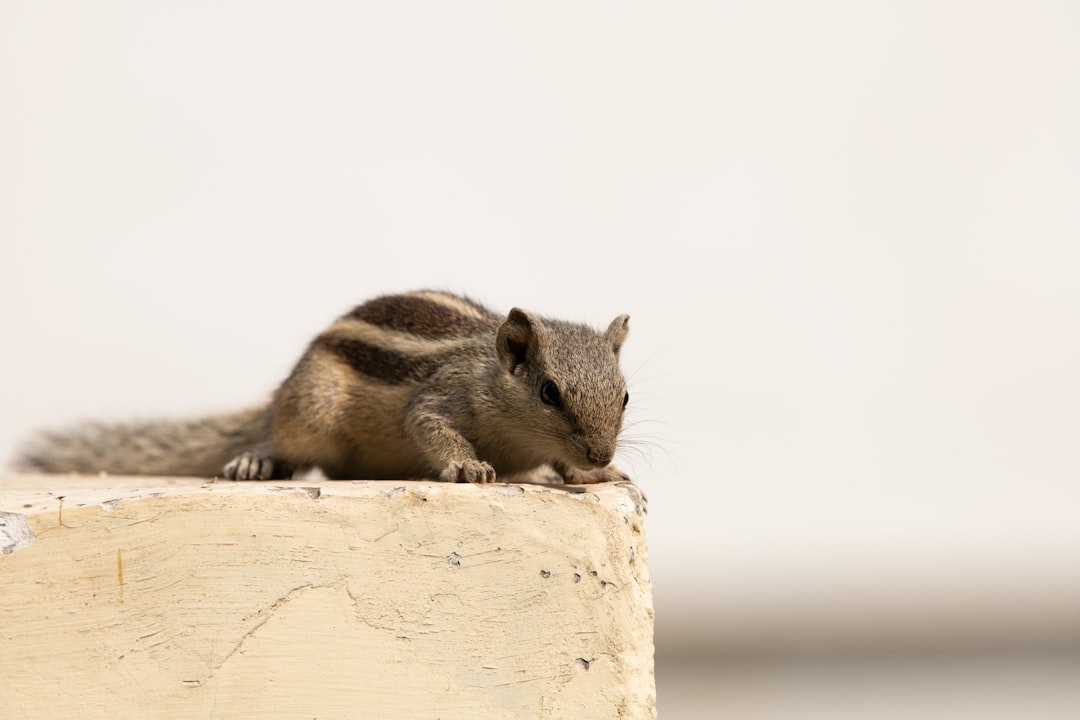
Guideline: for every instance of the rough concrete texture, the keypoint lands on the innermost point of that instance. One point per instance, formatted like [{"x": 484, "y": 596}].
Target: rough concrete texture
[{"x": 165, "y": 598}]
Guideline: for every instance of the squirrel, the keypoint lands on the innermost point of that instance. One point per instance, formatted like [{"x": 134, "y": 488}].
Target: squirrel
[{"x": 416, "y": 385}]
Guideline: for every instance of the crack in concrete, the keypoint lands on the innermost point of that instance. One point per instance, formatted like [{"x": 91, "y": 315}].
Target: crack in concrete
[{"x": 267, "y": 613}]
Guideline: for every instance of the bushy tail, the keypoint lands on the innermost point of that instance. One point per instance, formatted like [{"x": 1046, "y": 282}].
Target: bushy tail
[{"x": 198, "y": 447}]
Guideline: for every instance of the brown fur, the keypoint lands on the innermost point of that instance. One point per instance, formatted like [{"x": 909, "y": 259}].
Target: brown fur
[{"x": 423, "y": 384}]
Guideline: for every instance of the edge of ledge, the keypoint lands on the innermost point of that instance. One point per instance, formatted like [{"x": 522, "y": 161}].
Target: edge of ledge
[{"x": 29, "y": 494}]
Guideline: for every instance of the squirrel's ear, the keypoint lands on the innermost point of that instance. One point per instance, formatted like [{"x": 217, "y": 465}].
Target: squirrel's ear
[
  {"x": 617, "y": 332},
  {"x": 516, "y": 335}
]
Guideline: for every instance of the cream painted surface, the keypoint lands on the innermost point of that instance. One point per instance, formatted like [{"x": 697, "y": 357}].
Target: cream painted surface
[{"x": 164, "y": 598}]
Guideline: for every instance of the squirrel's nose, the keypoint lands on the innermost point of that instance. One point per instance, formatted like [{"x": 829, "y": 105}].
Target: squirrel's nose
[{"x": 600, "y": 456}]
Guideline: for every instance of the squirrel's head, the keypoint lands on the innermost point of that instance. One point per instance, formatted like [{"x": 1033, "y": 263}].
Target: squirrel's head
[{"x": 567, "y": 376}]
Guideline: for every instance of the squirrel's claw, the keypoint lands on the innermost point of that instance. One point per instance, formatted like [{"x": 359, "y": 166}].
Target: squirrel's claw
[
  {"x": 255, "y": 466},
  {"x": 579, "y": 476},
  {"x": 474, "y": 471}
]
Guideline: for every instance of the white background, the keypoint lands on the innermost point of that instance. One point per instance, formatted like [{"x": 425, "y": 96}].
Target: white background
[{"x": 847, "y": 234}]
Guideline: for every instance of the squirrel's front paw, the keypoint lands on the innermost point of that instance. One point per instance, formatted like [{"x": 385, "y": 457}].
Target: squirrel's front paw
[
  {"x": 255, "y": 466},
  {"x": 579, "y": 476},
  {"x": 474, "y": 471}
]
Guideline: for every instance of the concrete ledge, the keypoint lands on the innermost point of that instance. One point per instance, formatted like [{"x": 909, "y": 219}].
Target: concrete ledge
[{"x": 165, "y": 598}]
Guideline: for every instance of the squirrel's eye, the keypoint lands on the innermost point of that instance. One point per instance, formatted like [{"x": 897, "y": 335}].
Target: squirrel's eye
[
  {"x": 549, "y": 393},
  {"x": 625, "y": 399}
]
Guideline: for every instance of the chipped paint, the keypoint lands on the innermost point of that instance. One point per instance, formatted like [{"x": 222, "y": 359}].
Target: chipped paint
[{"x": 14, "y": 533}]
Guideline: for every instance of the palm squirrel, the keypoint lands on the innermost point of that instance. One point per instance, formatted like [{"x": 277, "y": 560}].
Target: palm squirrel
[{"x": 421, "y": 384}]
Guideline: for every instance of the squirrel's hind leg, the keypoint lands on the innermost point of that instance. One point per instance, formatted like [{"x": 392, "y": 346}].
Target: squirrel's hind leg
[{"x": 257, "y": 464}]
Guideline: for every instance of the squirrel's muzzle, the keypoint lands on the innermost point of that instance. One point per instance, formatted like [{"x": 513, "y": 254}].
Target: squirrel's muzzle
[{"x": 600, "y": 455}]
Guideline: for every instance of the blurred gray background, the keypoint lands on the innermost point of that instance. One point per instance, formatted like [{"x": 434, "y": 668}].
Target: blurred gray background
[{"x": 847, "y": 234}]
